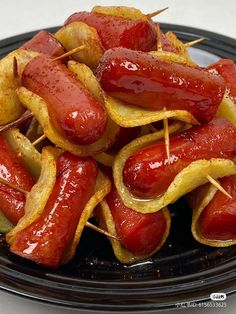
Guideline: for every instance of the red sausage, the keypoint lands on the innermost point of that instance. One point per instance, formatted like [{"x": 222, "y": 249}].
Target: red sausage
[
  {"x": 45, "y": 241},
  {"x": 140, "y": 233},
  {"x": 140, "y": 79},
  {"x": 148, "y": 174},
  {"x": 46, "y": 43},
  {"x": 227, "y": 69},
  {"x": 12, "y": 170},
  {"x": 115, "y": 31},
  {"x": 218, "y": 219},
  {"x": 74, "y": 111}
]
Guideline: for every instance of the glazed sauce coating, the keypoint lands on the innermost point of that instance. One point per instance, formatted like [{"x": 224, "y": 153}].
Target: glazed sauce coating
[
  {"x": 147, "y": 173},
  {"x": 115, "y": 31},
  {"x": 74, "y": 111},
  {"x": 140, "y": 79},
  {"x": 45, "y": 42},
  {"x": 140, "y": 233},
  {"x": 218, "y": 219},
  {"x": 12, "y": 170},
  {"x": 47, "y": 238},
  {"x": 227, "y": 69}
]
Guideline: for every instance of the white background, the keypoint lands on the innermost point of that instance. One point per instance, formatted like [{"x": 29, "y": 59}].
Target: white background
[{"x": 19, "y": 16}]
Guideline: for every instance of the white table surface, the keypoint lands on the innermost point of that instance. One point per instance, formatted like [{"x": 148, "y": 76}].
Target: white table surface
[{"x": 19, "y": 16}]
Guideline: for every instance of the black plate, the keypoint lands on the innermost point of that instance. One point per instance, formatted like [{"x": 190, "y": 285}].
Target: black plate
[{"x": 183, "y": 270}]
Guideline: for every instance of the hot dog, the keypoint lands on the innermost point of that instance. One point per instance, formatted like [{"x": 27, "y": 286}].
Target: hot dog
[
  {"x": 46, "y": 43},
  {"x": 139, "y": 233},
  {"x": 140, "y": 79},
  {"x": 227, "y": 69},
  {"x": 218, "y": 219},
  {"x": 148, "y": 174},
  {"x": 12, "y": 169},
  {"x": 45, "y": 240},
  {"x": 74, "y": 111},
  {"x": 115, "y": 31}
]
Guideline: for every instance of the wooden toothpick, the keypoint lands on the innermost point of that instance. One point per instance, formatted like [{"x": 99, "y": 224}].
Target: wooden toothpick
[
  {"x": 218, "y": 186},
  {"x": 3, "y": 181},
  {"x": 71, "y": 52},
  {"x": 155, "y": 13},
  {"x": 104, "y": 232},
  {"x": 194, "y": 42},
  {"x": 40, "y": 139}
]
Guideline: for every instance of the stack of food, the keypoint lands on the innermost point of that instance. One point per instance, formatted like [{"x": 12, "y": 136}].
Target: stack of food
[{"x": 110, "y": 119}]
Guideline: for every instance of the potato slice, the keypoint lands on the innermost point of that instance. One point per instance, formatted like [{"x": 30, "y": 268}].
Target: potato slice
[
  {"x": 78, "y": 33},
  {"x": 10, "y": 106},
  {"x": 127, "y": 115},
  {"x": 227, "y": 110},
  {"x": 198, "y": 200},
  {"x": 173, "y": 57},
  {"x": 29, "y": 154},
  {"x": 185, "y": 181},
  {"x": 122, "y": 11},
  {"x": 106, "y": 222},
  {"x": 87, "y": 78},
  {"x": 39, "y": 194},
  {"x": 183, "y": 51}
]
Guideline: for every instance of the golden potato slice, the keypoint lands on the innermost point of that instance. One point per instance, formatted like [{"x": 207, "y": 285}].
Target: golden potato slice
[
  {"x": 87, "y": 78},
  {"x": 78, "y": 33},
  {"x": 28, "y": 153},
  {"x": 127, "y": 115},
  {"x": 173, "y": 57},
  {"x": 227, "y": 110},
  {"x": 106, "y": 222},
  {"x": 39, "y": 194},
  {"x": 183, "y": 51},
  {"x": 198, "y": 200},
  {"x": 185, "y": 181},
  {"x": 122, "y": 11},
  {"x": 10, "y": 106}
]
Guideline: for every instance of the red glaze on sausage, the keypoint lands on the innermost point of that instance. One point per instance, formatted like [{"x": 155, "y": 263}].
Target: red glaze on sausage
[
  {"x": 115, "y": 31},
  {"x": 218, "y": 219},
  {"x": 74, "y": 111},
  {"x": 140, "y": 79},
  {"x": 148, "y": 174},
  {"x": 46, "y": 43},
  {"x": 12, "y": 170},
  {"x": 45, "y": 241},
  {"x": 139, "y": 233},
  {"x": 227, "y": 69}
]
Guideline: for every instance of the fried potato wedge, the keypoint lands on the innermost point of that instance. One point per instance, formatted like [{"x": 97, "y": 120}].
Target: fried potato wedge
[
  {"x": 185, "y": 181},
  {"x": 78, "y": 33},
  {"x": 198, "y": 200},
  {"x": 10, "y": 106},
  {"x": 106, "y": 222},
  {"x": 122, "y": 11},
  {"x": 39, "y": 194}
]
